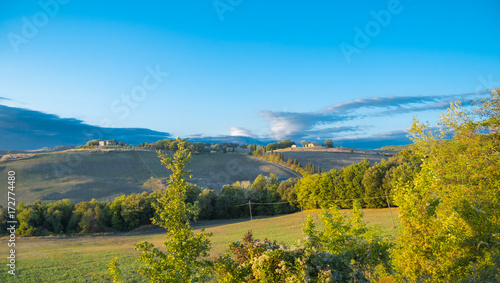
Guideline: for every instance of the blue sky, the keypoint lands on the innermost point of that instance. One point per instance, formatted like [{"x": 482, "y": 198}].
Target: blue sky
[{"x": 263, "y": 69}]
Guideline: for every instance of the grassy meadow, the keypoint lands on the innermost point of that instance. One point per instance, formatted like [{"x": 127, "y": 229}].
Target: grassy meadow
[{"x": 85, "y": 258}]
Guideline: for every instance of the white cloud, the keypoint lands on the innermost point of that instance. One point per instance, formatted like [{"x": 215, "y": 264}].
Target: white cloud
[
  {"x": 295, "y": 124},
  {"x": 239, "y": 131}
]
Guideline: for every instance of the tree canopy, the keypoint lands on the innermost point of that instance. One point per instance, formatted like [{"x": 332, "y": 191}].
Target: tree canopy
[
  {"x": 450, "y": 211},
  {"x": 183, "y": 258}
]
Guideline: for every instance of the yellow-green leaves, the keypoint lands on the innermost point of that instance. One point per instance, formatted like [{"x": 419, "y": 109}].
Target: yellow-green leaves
[
  {"x": 183, "y": 258},
  {"x": 449, "y": 212}
]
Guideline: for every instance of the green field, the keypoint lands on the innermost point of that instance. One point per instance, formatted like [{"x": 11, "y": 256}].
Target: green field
[
  {"x": 104, "y": 175},
  {"x": 84, "y": 258}
]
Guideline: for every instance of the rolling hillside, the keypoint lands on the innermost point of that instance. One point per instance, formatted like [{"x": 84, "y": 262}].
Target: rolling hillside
[
  {"x": 83, "y": 175},
  {"x": 329, "y": 158}
]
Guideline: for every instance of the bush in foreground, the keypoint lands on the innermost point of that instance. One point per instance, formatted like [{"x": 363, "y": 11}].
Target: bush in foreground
[{"x": 345, "y": 251}]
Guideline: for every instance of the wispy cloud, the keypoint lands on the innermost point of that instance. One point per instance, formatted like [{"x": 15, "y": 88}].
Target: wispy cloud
[
  {"x": 290, "y": 124},
  {"x": 384, "y": 102},
  {"x": 239, "y": 131},
  {"x": 308, "y": 124},
  {"x": 27, "y": 129}
]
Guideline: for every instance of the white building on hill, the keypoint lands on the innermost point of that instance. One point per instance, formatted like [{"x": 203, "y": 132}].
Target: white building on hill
[
  {"x": 108, "y": 142},
  {"x": 314, "y": 144}
]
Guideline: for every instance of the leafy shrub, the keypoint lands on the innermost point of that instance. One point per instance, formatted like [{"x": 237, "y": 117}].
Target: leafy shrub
[{"x": 345, "y": 251}]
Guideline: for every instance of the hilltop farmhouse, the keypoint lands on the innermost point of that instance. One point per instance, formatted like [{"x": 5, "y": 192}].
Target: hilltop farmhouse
[
  {"x": 313, "y": 144},
  {"x": 108, "y": 142}
]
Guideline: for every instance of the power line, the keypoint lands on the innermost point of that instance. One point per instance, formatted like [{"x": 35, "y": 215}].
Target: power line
[
  {"x": 263, "y": 203},
  {"x": 316, "y": 200},
  {"x": 146, "y": 164},
  {"x": 352, "y": 199},
  {"x": 323, "y": 200}
]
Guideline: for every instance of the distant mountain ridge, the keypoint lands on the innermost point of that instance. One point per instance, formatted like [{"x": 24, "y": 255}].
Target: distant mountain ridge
[{"x": 24, "y": 129}]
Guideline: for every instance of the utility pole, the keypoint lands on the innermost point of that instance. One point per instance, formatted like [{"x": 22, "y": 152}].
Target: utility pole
[
  {"x": 389, "y": 205},
  {"x": 302, "y": 209},
  {"x": 250, "y": 208}
]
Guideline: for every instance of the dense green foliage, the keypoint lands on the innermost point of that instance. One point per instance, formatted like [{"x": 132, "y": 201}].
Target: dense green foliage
[
  {"x": 223, "y": 147},
  {"x": 232, "y": 199},
  {"x": 278, "y": 145},
  {"x": 125, "y": 213},
  {"x": 95, "y": 143},
  {"x": 173, "y": 145},
  {"x": 357, "y": 181},
  {"x": 329, "y": 143},
  {"x": 450, "y": 211}
]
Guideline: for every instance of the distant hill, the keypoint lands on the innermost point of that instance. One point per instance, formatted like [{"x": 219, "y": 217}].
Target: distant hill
[
  {"x": 83, "y": 175},
  {"x": 29, "y": 129},
  {"x": 331, "y": 158},
  {"x": 52, "y": 149},
  {"x": 393, "y": 148},
  {"x": 231, "y": 139}
]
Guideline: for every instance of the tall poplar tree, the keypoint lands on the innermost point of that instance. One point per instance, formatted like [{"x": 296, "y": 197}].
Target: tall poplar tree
[{"x": 183, "y": 257}]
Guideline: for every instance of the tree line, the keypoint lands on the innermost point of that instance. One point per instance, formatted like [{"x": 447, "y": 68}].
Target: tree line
[
  {"x": 279, "y": 158},
  {"x": 170, "y": 144},
  {"x": 370, "y": 184},
  {"x": 173, "y": 145},
  {"x": 126, "y": 213},
  {"x": 267, "y": 153}
]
